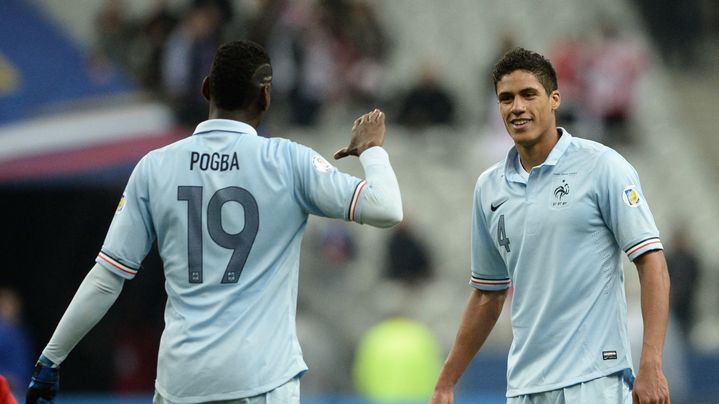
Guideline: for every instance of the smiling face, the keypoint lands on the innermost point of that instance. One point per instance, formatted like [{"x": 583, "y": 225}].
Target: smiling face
[{"x": 527, "y": 110}]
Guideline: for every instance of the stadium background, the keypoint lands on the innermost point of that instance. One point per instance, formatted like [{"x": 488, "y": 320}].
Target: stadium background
[{"x": 75, "y": 117}]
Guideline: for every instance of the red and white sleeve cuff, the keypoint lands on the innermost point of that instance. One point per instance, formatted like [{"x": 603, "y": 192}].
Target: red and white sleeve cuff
[
  {"x": 489, "y": 284},
  {"x": 115, "y": 265},
  {"x": 643, "y": 246}
]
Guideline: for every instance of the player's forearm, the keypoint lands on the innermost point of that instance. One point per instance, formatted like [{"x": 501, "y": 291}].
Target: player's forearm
[
  {"x": 480, "y": 316},
  {"x": 93, "y": 298},
  {"x": 654, "y": 280},
  {"x": 381, "y": 202}
]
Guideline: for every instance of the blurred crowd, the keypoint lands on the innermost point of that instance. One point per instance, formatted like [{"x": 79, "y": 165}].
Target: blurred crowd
[
  {"x": 329, "y": 52},
  {"x": 322, "y": 51},
  {"x": 336, "y": 51},
  {"x": 599, "y": 81}
]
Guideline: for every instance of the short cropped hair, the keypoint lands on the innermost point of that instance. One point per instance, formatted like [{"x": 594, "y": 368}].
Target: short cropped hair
[
  {"x": 231, "y": 85},
  {"x": 533, "y": 62}
]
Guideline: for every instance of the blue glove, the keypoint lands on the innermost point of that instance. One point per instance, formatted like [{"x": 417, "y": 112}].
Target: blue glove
[{"x": 45, "y": 382}]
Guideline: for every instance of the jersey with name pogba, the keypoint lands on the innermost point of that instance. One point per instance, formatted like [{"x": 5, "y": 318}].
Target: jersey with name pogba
[{"x": 228, "y": 210}]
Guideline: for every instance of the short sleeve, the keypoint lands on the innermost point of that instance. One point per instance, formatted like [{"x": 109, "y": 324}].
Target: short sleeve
[
  {"x": 489, "y": 272},
  {"x": 131, "y": 232},
  {"x": 321, "y": 189},
  {"x": 624, "y": 207}
]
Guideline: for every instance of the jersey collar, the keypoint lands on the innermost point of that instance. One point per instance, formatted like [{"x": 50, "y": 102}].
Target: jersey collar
[
  {"x": 224, "y": 125},
  {"x": 558, "y": 150},
  {"x": 510, "y": 168}
]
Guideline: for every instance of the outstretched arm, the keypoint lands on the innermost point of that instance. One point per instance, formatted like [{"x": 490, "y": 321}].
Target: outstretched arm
[
  {"x": 380, "y": 199},
  {"x": 93, "y": 298},
  {"x": 480, "y": 316},
  {"x": 651, "y": 384},
  {"x": 97, "y": 292}
]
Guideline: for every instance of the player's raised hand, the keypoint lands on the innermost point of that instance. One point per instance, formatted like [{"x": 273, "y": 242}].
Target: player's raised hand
[
  {"x": 44, "y": 383},
  {"x": 368, "y": 131}
]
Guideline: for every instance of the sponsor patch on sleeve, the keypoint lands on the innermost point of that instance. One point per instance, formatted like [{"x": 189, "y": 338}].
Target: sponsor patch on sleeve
[
  {"x": 631, "y": 196},
  {"x": 321, "y": 165},
  {"x": 121, "y": 204}
]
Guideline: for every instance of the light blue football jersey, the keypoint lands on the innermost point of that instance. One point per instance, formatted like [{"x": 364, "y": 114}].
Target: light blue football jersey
[
  {"x": 228, "y": 210},
  {"x": 557, "y": 238}
]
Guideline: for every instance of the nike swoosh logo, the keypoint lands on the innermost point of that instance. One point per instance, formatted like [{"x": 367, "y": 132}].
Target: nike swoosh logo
[{"x": 495, "y": 205}]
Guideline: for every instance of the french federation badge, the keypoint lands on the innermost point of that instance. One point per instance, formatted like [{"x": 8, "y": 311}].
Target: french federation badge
[
  {"x": 561, "y": 192},
  {"x": 631, "y": 196}
]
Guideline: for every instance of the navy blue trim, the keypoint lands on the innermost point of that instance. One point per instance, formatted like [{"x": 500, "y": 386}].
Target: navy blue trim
[
  {"x": 490, "y": 279},
  {"x": 219, "y": 130},
  {"x": 354, "y": 194}
]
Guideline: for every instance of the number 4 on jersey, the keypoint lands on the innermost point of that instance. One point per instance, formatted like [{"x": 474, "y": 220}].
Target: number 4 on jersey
[
  {"x": 240, "y": 243},
  {"x": 502, "y": 235}
]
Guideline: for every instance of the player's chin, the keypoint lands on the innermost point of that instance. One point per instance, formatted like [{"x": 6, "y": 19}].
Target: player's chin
[{"x": 521, "y": 137}]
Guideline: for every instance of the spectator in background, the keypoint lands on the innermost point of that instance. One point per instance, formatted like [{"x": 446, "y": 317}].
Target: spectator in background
[
  {"x": 363, "y": 50},
  {"x": 302, "y": 49},
  {"x": 316, "y": 75},
  {"x": 114, "y": 31},
  {"x": 567, "y": 57},
  {"x": 321, "y": 51},
  {"x": 611, "y": 73},
  {"x": 188, "y": 57},
  {"x": 15, "y": 356},
  {"x": 337, "y": 244},
  {"x": 148, "y": 48},
  {"x": 427, "y": 102},
  {"x": 408, "y": 259},
  {"x": 684, "y": 269}
]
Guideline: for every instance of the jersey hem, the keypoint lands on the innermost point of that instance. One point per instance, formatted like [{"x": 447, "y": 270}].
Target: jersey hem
[
  {"x": 570, "y": 382},
  {"x": 234, "y": 394}
]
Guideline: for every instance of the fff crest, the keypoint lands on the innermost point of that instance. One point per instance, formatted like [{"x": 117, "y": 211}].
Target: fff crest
[{"x": 561, "y": 192}]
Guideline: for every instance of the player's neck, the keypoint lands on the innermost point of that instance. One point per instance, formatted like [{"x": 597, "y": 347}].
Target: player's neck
[
  {"x": 532, "y": 155},
  {"x": 236, "y": 115}
]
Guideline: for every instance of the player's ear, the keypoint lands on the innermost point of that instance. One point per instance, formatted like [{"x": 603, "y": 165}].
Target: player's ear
[
  {"x": 206, "y": 88},
  {"x": 555, "y": 99},
  {"x": 265, "y": 97}
]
